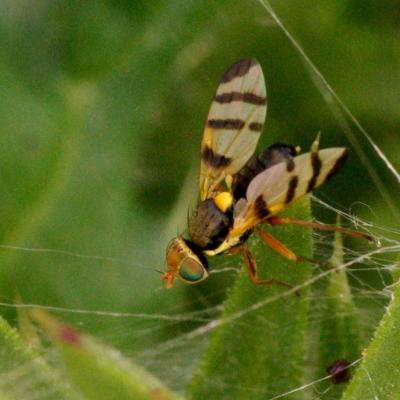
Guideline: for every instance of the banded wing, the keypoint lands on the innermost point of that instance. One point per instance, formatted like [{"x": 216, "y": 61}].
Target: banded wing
[
  {"x": 234, "y": 124},
  {"x": 275, "y": 188}
]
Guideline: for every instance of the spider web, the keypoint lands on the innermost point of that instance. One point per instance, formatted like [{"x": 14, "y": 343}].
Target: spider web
[{"x": 168, "y": 331}]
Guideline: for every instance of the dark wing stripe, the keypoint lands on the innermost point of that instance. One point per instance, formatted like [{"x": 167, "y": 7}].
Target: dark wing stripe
[
  {"x": 238, "y": 69},
  {"x": 338, "y": 164},
  {"x": 246, "y": 97},
  {"x": 229, "y": 123},
  {"x": 316, "y": 165},
  {"x": 260, "y": 208},
  {"x": 294, "y": 180},
  {"x": 256, "y": 126},
  {"x": 290, "y": 164},
  {"x": 214, "y": 160}
]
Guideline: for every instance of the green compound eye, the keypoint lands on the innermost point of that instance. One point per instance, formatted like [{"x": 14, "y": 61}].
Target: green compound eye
[{"x": 191, "y": 271}]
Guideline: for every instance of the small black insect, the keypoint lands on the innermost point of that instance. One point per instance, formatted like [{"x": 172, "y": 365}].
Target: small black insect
[{"x": 339, "y": 371}]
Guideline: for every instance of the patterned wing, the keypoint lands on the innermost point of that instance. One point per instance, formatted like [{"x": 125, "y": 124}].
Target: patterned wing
[
  {"x": 234, "y": 124},
  {"x": 275, "y": 188}
]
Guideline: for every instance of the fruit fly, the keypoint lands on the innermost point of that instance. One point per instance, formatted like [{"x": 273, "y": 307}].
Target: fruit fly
[{"x": 240, "y": 191}]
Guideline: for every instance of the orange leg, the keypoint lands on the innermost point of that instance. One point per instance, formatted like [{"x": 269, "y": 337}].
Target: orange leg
[
  {"x": 281, "y": 249},
  {"x": 316, "y": 225},
  {"x": 234, "y": 250},
  {"x": 253, "y": 270}
]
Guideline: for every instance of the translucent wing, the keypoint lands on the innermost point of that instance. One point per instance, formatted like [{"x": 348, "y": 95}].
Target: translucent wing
[
  {"x": 277, "y": 187},
  {"x": 234, "y": 124}
]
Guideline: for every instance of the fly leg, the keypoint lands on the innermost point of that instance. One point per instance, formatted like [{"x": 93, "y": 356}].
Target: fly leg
[
  {"x": 234, "y": 250},
  {"x": 316, "y": 225},
  {"x": 253, "y": 270},
  {"x": 281, "y": 249}
]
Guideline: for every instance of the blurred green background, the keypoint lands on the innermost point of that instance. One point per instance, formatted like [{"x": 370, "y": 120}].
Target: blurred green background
[{"x": 102, "y": 106}]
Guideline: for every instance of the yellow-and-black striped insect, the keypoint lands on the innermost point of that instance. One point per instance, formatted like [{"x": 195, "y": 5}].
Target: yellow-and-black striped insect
[{"x": 239, "y": 191}]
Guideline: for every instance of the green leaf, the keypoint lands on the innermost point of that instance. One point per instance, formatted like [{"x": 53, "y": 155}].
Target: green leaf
[
  {"x": 22, "y": 368},
  {"x": 98, "y": 371},
  {"x": 378, "y": 375},
  {"x": 264, "y": 328}
]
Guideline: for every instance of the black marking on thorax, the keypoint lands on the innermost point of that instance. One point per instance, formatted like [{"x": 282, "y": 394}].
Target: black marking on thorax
[{"x": 209, "y": 226}]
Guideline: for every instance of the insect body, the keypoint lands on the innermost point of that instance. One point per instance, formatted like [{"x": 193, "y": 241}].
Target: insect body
[{"x": 239, "y": 190}]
